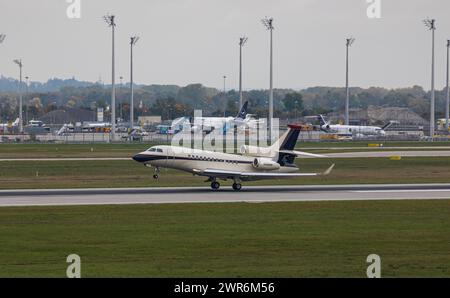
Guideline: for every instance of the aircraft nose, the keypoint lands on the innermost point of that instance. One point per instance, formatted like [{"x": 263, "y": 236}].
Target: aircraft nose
[{"x": 139, "y": 157}]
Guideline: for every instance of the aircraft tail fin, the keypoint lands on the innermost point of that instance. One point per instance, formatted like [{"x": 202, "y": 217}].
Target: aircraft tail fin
[
  {"x": 389, "y": 124},
  {"x": 243, "y": 111},
  {"x": 286, "y": 143},
  {"x": 322, "y": 120}
]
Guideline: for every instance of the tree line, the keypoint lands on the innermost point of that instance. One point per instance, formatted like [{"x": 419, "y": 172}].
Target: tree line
[{"x": 171, "y": 101}]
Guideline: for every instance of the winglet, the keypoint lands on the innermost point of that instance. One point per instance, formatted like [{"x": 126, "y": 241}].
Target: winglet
[{"x": 328, "y": 171}]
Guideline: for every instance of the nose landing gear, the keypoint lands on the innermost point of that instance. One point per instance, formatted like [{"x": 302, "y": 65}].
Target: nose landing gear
[{"x": 156, "y": 175}]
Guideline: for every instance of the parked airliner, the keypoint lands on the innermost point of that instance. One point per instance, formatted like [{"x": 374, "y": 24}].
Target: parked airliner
[
  {"x": 277, "y": 161},
  {"x": 7, "y": 126},
  {"x": 353, "y": 130}
]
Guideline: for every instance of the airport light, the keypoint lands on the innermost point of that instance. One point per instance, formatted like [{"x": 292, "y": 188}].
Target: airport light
[
  {"x": 19, "y": 63},
  {"x": 2, "y": 37},
  {"x": 133, "y": 41},
  {"x": 110, "y": 20},
  {"x": 448, "y": 90},
  {"x": 431, "y": 25},
  {"x": 268, "y": 23},
  {"x": 242, "y": 41},
  {"x": 348, "y": 44}
]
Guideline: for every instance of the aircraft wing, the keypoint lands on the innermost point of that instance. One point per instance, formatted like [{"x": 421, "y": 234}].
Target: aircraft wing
[{"x": 268, "y": 175}]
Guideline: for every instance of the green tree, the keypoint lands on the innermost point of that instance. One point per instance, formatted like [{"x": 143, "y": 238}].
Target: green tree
[{"x": 293, "y": 103}]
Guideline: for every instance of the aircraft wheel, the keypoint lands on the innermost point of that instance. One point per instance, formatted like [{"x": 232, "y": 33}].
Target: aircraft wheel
[
  {"x": 237, "y": 186},
  {"x": 155, "y": 176},
  {"x": 215, "y": 185}
]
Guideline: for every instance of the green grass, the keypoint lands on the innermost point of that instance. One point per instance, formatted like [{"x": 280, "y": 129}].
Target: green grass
[
  {"x": 127, "y": 150},
  {"x": 123, "y": 173},
  {"x": 303, "y": 239}
]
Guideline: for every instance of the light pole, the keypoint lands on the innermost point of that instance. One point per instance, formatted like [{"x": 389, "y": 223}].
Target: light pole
[
  {"x": 268, "y": 22},
  {"x": 109, "y": 19},
  {"x": 121, "y": 100},
  {"x": 224, "y": 84},
  {"x": 447, "y": 102},
  {"x": 242, "y": 41},
  {"x": 430, "y": 24},
  {"x": 224, "y": 95},
  {"x": 26, "y": 99},
  {"x": 19, "y": 63},
  {"x": 133, "y": 41},
  {"x": 349, "y": 42}
]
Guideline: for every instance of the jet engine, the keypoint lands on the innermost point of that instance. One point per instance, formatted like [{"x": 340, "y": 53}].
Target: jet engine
[
  {"x": 325, "y": 127},
  {"x": 255, "y": 151},
  {"x": 265, "y": 164}
]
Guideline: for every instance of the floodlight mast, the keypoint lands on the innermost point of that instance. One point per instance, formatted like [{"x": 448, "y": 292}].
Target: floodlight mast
[
  {"x": 133, "y": 41},
  {"x": 19, "y": 63},
  {"x": 224, "y": 94},
  {"x": 110, "y": 20},
  {"x": 431, "y": 25},
  {"x": 348, "y": 43},
  {"x": 448, "y": 90},
  {"x": 224, "y": 84},
  {"x": 242, "y": 42},
  {"x": 268, "y": 23},
  {"x": 27, "y": 78}
]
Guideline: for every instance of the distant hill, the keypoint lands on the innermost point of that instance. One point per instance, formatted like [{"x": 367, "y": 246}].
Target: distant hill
[{"x": 12, "y": 85}]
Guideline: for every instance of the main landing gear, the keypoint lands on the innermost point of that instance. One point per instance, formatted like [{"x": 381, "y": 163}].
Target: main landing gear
[
  {"x": 215, "y": 185},
  {"x": 237, "y": 186}
]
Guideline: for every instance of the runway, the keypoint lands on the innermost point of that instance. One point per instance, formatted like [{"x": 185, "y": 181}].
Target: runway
[
  {"x": 249, "y": 194},
  {"x": 382, "y": 153}
]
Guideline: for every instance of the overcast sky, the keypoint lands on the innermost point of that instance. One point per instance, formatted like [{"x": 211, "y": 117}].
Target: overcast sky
[{"x": 196, "y": 41}]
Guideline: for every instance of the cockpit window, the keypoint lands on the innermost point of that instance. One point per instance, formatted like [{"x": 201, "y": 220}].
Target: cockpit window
[
  {"x": 152, "y": 149},
  {"x": 159, "y": 150}
]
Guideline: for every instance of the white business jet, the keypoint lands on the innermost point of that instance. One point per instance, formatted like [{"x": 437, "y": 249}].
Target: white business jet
[
  {"x": 276, "y": 161},
  {"x": 208, "y": 124}
]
